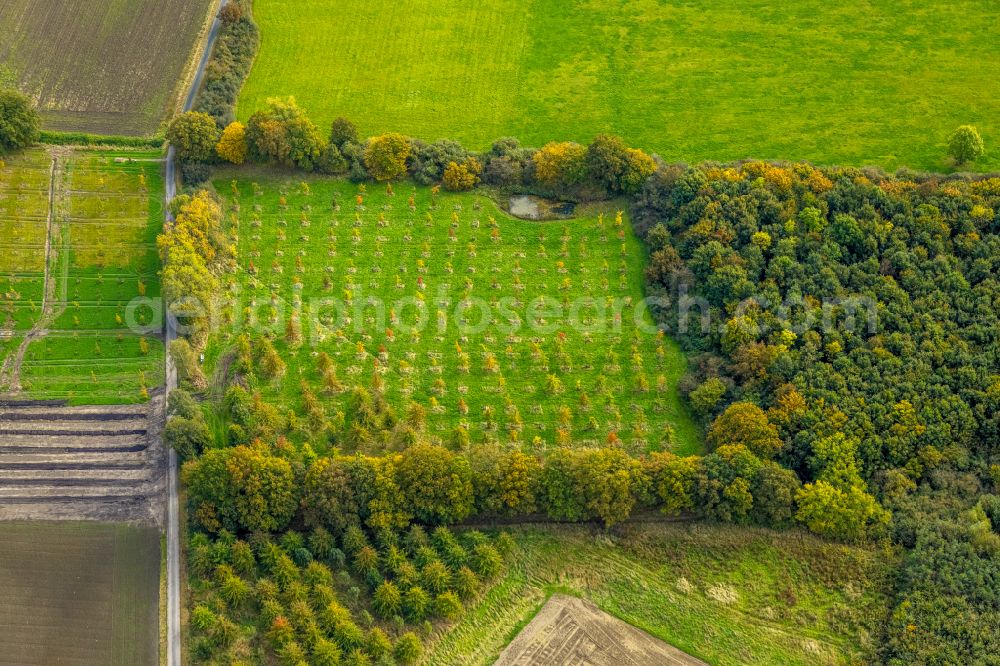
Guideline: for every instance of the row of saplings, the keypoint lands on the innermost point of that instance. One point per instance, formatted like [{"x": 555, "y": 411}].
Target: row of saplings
[{"x": 316, "y": 599}]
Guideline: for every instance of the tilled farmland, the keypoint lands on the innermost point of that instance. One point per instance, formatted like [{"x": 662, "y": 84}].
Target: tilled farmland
[
  {"x": 63, "y": 462},
  {"x": 119, "y": 69}
]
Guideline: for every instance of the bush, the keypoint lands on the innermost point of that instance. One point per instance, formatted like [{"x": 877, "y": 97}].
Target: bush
[
  {"x": 428, "y": 162},
  {"x": 408, "y": 649},
  {"x": 561, "y": 166},
  {"x": 187, "y": 436},
  {"x": 195, "y": 174},
  {"x": 462, "y": 177},
  {"x": 385, "y": 156},
  {"x": 19, "y": 122},
  {"x": 193, "y": 136},
  {"x": 343, "y": 131},
  {"x": 232, "y": 146}
]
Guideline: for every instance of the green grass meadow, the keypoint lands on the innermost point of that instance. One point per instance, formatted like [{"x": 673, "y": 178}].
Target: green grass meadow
[
  {"x": 437, "y": 265},
  {"x": 730, "y": 596},
  {"x": 833, "y": 83}
]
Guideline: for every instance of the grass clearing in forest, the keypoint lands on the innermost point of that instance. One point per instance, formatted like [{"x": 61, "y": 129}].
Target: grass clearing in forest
[
  {"x": 727, "y": 595},
  {"x": 532, "y": 333},
  {"x": 80, "y": 593},
  {"x": 832, "y": 83}
]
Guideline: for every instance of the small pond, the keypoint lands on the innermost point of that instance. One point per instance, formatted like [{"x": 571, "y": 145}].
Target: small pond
[{"x": 530, "y": 207}]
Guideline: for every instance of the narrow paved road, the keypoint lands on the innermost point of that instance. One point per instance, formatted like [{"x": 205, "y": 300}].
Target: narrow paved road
[{"x": 173, "y": 512}]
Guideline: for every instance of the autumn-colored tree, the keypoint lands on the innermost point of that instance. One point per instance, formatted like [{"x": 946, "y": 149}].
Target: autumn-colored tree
[
  {"x": 461, "y": 177},
  {"x": 620, "y": 169},
  {"x": 385, "y": 156},
  {"x": 505, "y": 482},
  {"x": 436, "y": 483},
  {"x": 560, "y": 165},
  {"x": 188, "y": 249},
  {"x": 193, "y": 136},
  {"x": 850, "y": 514},
  {"x": 744, "y": 423},
  {"x": 243, "y": 488},
  {"x": 232, "y": 145},
  {"x": 282, "y": 133}
]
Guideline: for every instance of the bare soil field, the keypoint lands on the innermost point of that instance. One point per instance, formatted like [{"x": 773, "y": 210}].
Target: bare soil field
[
  {"x": 78, "y": 594},
  {"x": 101, "y": 66},
  {"x": 574, "y": 631}
]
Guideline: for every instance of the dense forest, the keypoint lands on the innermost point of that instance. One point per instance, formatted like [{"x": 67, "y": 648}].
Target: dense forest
[{"x": 861, "y": 312}]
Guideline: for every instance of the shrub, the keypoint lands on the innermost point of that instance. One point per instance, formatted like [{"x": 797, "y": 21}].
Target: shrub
[
  {"x": 19, "y": 122},
  {"x": 187, "y": 436},
  {"x": 620, "y": 169},
  {"x": 408, "y": 649},
  {"x": 343, "y": 131},
  {"x": 746, "y": 424},
  {"x": 228, "y": 66},
  {"x": 386, "y": 155},
  {"x": 195, "y": 174},
  {"x": 193, "y": 136},
  {"x": 561, "y": 165},
  {"x": 232, "y": 145},
  {"x": 428, "y": 162},
  {"x": 461, "y": 177},
  {"x": 851, "y": 514}
]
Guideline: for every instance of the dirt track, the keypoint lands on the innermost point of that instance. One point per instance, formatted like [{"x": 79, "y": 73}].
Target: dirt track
[{"x": 574, "y": 632}]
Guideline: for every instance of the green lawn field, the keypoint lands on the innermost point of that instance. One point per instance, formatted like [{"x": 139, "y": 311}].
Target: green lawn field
[
  {"x": 833, "y": 83},
  {"x": 78, "y": 593},
  {"x": 503, "y": 325},
  {"x": 730, "y": 596}
]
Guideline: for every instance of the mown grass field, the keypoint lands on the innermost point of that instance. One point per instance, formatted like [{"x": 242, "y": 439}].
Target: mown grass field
[
  {"x": 833, "y": 83},
  {"x": 505, "y": 326},
  {"x": 729, "y": 596},
  {"x": 108, "y": 211},
  {"x": 101, "y": 66},
  {"x": 24, "y": 206},
  {"x": 78, "y": 593}
]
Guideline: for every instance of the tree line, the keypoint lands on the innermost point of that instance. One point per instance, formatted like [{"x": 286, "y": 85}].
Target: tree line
[{"x": 282, "y": 134}]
